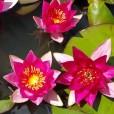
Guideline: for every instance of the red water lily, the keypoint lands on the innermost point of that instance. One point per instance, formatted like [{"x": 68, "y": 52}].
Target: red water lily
[
  {"x": 86, "y": 76},
  {"x": 57, "y": 18},
  {"x": 7, "y": 4},
  {"x": 34, "y": 79}
]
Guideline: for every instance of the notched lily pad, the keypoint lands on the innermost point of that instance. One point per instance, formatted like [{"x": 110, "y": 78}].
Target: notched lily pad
[{"x": 91, "y": 38}]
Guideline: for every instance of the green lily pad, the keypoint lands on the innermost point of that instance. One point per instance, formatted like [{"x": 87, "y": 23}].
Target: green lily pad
[
  {"x": 106, "y": 1},
  {"x": 98, "y": 13},
  {"x": 89, "y": 40},
  {"x": 102, "y": 105},
  {"x": 5, "y": 105},
  {"x": 58, "y": 110},
  {"x": 109, "y": 1}
]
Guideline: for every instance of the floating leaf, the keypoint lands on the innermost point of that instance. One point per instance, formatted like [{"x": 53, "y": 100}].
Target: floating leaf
[
  {"x": 105, "y": 1},
  {"x": 98, "y": 13},
  {"x": 5, "y": 105},
  {"x": 58, "y": 110},
  {"x": 91, "y": 38},
  {"x": 102, "y": 105},
  {"x": 109, "y": 1}
]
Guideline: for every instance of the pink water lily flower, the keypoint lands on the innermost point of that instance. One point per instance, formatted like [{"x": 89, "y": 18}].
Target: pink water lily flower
[
  {"x": 34, "y": 79},
  {"x": 7, "y": 4},
  {"x": 57, "y": 18},
  {"x": 1, "y": 5},
  {"x": 86, "y": 76}
]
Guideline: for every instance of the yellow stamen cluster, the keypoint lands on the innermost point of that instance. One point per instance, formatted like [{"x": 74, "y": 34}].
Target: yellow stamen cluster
[
  {"x": 33, "y": 78},
  {"x": 58, "y": 16}
]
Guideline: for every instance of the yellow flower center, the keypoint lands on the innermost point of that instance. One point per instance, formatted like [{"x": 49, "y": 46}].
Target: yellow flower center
[
  {"x": 57, "y": 15},
  {"x": 56, "y": 21},
  {"x": 33, "y": 78}
]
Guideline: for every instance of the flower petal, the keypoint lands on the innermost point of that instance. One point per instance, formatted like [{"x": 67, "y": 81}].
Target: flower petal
[
  {"x": 91, "y": 97},
  {"x": 31, "y": 56},
  {"x": 55, "y": 3},
  {"x": 53, "y": 98},
  {"x": 107, "y": 70},
  {"x": 61, "y": 58},
  {"x": 78, "y": 54},
  {"x": 38, "y": 100},
  {"x": 17, "y": 97},
  {"x": 47, "y": 57},
  {"x": 56, "y": 74},
  {"x": 65, "y": 78},
  {"x": 58, "y": 37},
  {"x": 43, "y": 65},
  {"x": 75, "y": 84},
  {"x": 35, "y": 98},
  {"x": 77, "y": 17},
  {"x": 1, "y": 5},
  {"x": 67, "y": 4},
  {"x": 103, "y": 82},
  {"x": 26, "y": 93},
  {"x": 109, "y": 73},
  {"x": 17, "y": 67},
  {"x": 103, "y": 49},
  {"x": 72, "y": 23},
  {"x": 14, "y": 58},
  {"x": 70, "y": 66},
  {"x": 52, "y": 28},
  {"x": 8, "y": 4},
  {"x": 39, "y": 22},
  {"x": 81, "y": 60},
  {"x": 45, "y": 8},
  {"x": 80, "y": 95},
  {"x": 101, "y": 63},
  {"x": 12, "y": 79},
  {"x": 71, "y": 98},
  {"x": 108, "y": 91}
]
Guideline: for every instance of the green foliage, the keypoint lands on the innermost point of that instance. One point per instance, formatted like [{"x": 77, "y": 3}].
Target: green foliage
[
  {"x": 91, "y": 38},
  {"x": 58, "y": 110},
  {"x": 109, "y": 1},
  {"x": 98, "y": 13},
  {"x": 106, "y": 1},
  {"x": 103, "y": 105},
  {"x": 5, "y": 105}
]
